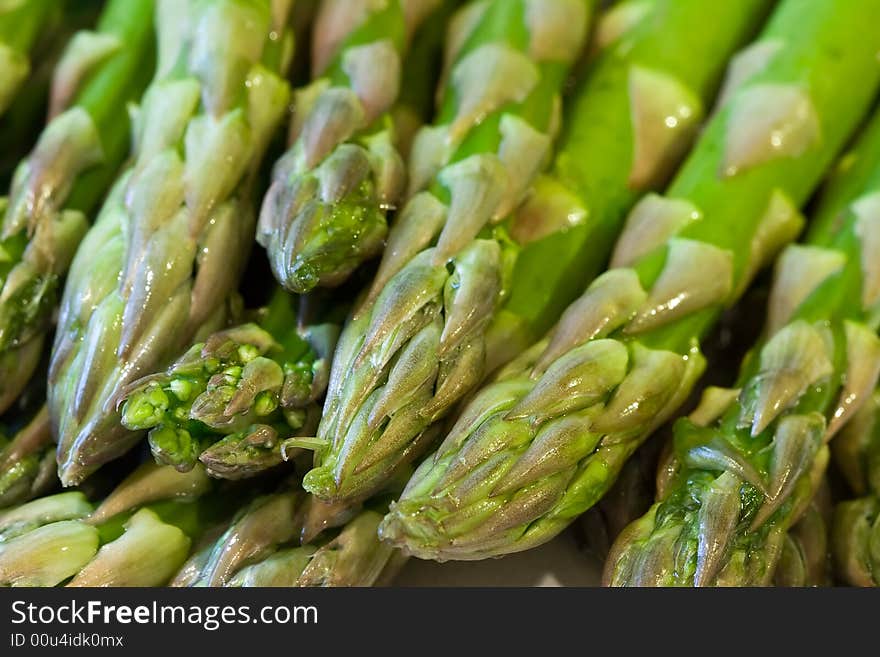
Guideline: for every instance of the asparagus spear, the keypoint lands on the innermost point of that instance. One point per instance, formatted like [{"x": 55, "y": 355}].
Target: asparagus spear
[
  {"x": 545, "y": 441},
  {"x": 262, "y": 548},
  {"x": 27, "y": 462},
  {"x": 743, "y": 476},
  {"x": 354, "y": 557},
  {"x": 324, "y": 213},
  {"x": 493, "y": 132},
  {"x": 59, "y": 184},
  {"x": 804, "y": 558},
  {"x": 231, "y": 400},
  {"x": 258, "y": 530},
  {"x": 856, "y": 525},
  {"x": 131, "y": 539},
  {"x": 175, "y": 230},
  {"x": 22, "y": 24}
]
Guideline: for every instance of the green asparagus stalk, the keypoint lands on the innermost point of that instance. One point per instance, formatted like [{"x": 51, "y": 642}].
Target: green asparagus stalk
[
  {"x": 325, "y": 212},
  {"x": 27, "y": 462},
  {"x": 497, "y": 119},
  {"x": 546, "y": 440},
  {"x": 264, "y": 547},
  {"x": 139, "y": 536},
  {"x": 58, "y": 185},
  {"x": 22, "y": 25},
  {"x": 804, "y": 559},
  {"x": 743, "y": 475},
  {"x": 855, "y": 537},
  {"x": 232, "y": 400},
  {"x": 354, "y": 557},
  {"x": 258, "y": 530},
  {"x": 173, "y": 235}
]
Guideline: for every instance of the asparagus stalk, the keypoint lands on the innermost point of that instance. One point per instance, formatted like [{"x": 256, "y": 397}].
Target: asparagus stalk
[
  {"x": 22, "y": 25},
  {"x": 27, "y": 462},
  {"x": 58, "y": 185},
  {"x": 232, "y": 400},
  {"x": 131, "y": 539},
  {"x": 804, "y": 559},
  {"x": 743, "y": 475},
  {"x": 325, "y": 211},
  {"x": 398, "y": 356},
  {"x": 258, "y": 530},
  {"x": 354, "y": 557},
  {"x": 175, "y": 231},
  {"x": 263, "y": 547},
  {"x": 546, "y": 440},
  {"x": 856, "y": 525}
]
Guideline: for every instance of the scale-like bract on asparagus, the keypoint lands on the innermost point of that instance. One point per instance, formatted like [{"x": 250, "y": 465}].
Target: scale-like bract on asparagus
[
  {"x": 324, "y": 213},
  {"x": 545, "y": 441},
  {"x": 416, "y": 343},
  {"x": 170, "y": 242},
  {"x": 856, "y": 526},
  {"x": 57, "y": 187},
  {"x": 22, "y": 24},
  {"x": 744, "y": 474}
]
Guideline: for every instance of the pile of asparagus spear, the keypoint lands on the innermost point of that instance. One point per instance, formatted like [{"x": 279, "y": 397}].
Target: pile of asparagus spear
[{"x": 294, "y": 290}]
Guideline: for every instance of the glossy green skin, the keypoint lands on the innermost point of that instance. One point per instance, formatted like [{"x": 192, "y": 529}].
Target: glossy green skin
[
  {"x": 827, "y": 48},
  {"x": 593, "y": 161},
  {"x": 835, "y": 300}
]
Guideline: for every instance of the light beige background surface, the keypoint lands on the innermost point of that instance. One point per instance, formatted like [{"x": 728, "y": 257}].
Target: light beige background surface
[{"x": 558, "y": 563}]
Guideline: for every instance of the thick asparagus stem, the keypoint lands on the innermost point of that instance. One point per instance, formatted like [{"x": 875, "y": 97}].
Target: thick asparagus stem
[
  {"x": 175, "y": 231},
  {"x": 741, "y": 478},
  {"x": 543, "y": 443},
  {"x": 56, "y": 188},
  {"x": 325, "y": 212},
  {"x": 416, "y": 344}
]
